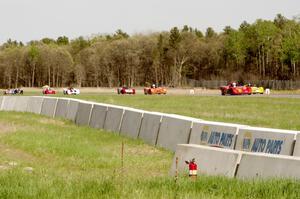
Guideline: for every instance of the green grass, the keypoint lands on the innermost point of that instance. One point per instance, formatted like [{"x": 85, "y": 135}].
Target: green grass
[{"x": 79, "y": 162}]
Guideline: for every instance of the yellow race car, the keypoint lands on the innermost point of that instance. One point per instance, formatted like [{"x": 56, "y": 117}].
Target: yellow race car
[{"x": 257, "y": 90}]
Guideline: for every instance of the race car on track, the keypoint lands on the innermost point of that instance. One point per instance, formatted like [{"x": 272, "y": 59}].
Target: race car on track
[
  {"x": 155, "y": 90},
  {"x": 71, "y": 91},
  {"x": 233, "y": 89},
  {"x": 47, "y": 90},
  {"x": 13, "y": 91},
  {"x": 257, "y": 90},
  {"x": 126, "y": 90}
]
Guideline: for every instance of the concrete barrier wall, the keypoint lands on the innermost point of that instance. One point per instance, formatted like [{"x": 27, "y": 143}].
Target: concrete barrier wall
[
  {"x": 217, "y": 134},
  {"x": 263, "y": 140},
  {"x": 84, "y": 113},
  {"x": 49, "y": 106},
  {"x": 8, "y": 103},
  {"x": 1, "y": 100},
  {"x": 296, "y": 151},
  {"x": 113, "y": 118},
  {"x": 131, "y": 123},
  {"x": 98, "y": 116},
  {"x": 268, "y": 166},
  {"x": 72, "y": 109},
  {"x": 62, "y": 108},
  {"x": 35, "y": 105},
  {"x": 150, "y": 127},
  {"x": 210, "y": 160},
  {"x": 21, "y": 103},
  {"x": 174, "y": 130}
]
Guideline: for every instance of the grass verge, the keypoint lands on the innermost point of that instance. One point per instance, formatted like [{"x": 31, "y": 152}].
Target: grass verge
[{"x": 68, "y": 161}]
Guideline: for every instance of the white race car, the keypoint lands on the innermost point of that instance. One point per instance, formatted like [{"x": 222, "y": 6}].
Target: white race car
[{"x": 71, "y": 91}]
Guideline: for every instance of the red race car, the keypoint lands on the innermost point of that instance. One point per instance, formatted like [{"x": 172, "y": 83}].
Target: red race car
[
  {"x": 47, "y": 90},
  {"x": 233, "y": 89},
  {"x": 126, "y": 90}
]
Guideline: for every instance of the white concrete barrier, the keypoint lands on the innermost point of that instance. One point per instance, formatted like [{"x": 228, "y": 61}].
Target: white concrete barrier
[
  {"x": 1, "y": 100},
  {"x": 210, "y": 160},
  {"x": 98, "y": 116},
  {"x": 8, "y": 103},
  {"x": 257, "y": 165},
  {"x": 150, "y": 127},
  {"x": 72, "y": 109},
  {"x": 21, "y": 103},
  {"x": 62, "y": 108},
  {"x": 113, "y": 118},
  {"x": 216, "y": 134},
  {"x": 264, "y": 140},
  {"x": 35, "y": 104},
  {"x": 49, "y": 106},
  {"x": 174, "y": 129},
  {"x": 296, "y": 151},
  {"x": 131, "y": 122},
  {"x": 84, "y": 113}
]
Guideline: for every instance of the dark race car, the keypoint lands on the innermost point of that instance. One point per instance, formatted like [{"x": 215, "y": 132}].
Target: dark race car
[
  {"x": 126, "y": 90},
  {"x": 71, "y": 91},
  {"x": 13, "y": 91},
  {"x": 233, "y": 89}
]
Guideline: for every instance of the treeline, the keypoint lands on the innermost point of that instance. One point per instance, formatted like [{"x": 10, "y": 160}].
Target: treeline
[{"x": 262, "y": 50}]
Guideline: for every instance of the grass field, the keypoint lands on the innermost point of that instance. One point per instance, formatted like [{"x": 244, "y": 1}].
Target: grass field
[
  {"x": 68, "y": 161},
  {"x": 79, "y": 162}
]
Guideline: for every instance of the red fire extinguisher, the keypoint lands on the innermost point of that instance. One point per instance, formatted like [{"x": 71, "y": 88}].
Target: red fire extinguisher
[{"x": 192, "y": 168}]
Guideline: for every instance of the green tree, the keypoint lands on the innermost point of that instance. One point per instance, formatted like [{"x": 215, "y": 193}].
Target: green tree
[
  {"x": 62, "y": 40},
  {"x": 120, "y": 34},
  {"x": 210, "y": 32},
  {"x": 33, "y": 55},
  {"x": 234, "y": 47},
  {"x": 48, "y": 41},
  {"x": 280, "y": 21},
  {"x": 198, "y": 33},
  {"x": 291, "y": 45}
]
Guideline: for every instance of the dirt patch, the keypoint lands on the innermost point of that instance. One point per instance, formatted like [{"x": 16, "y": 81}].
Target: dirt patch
[
  {"x": 15, "y": 154},
  {"x": 4, "y": 167},
  {"x": 7, "y": 151},
  {"x": 7, "y": 127},
  {"x": 51, "y": 121},
  {"x": 140, "y": 151}
]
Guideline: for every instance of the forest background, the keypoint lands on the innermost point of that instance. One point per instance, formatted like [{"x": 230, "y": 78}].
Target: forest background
[{"x": 263, "y": 50}]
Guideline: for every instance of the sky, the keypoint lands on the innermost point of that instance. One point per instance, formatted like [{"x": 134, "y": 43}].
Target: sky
[{"x": 26, "y": 20}]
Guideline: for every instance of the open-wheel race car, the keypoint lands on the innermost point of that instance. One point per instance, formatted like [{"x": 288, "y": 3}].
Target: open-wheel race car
[
  {"x": 257, "y": 90},
  {"x": 71, "y": 91},
  {"x": 125, "y": 90},
  {"x": 233, "y": 89},
  {"x": 155, "y": 90},
  {"x": 13, "y": 91},
  {"x": 48, "y": 91}
]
